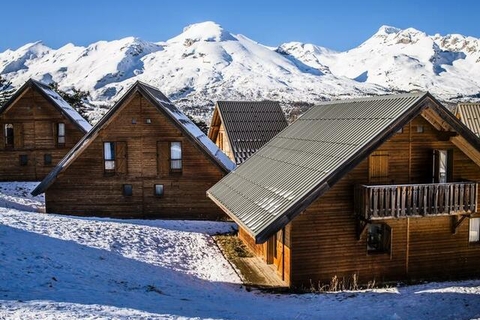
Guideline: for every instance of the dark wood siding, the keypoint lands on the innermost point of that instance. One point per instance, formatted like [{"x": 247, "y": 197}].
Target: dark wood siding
[
  {"x": 34, "y": 120},
  {"x": 84, "y": 189},
  {"x": 323, "y": 238}
]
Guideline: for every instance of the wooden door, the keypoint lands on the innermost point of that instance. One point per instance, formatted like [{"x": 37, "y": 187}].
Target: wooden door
[{"x": 271, "y": 249}]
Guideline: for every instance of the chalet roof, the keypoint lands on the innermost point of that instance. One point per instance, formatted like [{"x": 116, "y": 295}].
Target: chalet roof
[
  {"x": 307, "y": 158},
  {"x": 469, "y": 114},
  {"x": 249, "y": 125},
  {"x": 161, "y": 102},
  {"x": 55, "y": 99}
]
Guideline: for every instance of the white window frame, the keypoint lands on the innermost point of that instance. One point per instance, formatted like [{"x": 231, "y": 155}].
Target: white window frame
[
  {"x": 109, "y": 156},
  {"x": 474, "y": 230},
  {"x": 61, "y": 134},
  {"x": 9, "y": 139},
  {"x": 176, "y": 157}
]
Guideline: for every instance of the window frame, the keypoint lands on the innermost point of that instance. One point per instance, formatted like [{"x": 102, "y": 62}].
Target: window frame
[
  {"x": 475, "y": 241},
  {"x": 23, "y": 160},
  {"x": 127, "y": 190},
  {"x": 158, "y": 195},
  {"x": 61, "y": 134},
  {"x": 47, "y": 159},
  {"x": 9, "y": 140},
  {"x": 384, "y": 243},
  {"x": 176, "y": 164},
  {"x": 109, "y": 158}
]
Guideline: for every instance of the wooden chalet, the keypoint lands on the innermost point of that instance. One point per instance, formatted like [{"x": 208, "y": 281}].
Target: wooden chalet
[
  {"x": 37, "y": 129},
  {"x": 382, "y": 188},
  {"x": 240, "y": 128},
  {"x": 469, "y": 114},
  {"x": 143, "y": 159}
]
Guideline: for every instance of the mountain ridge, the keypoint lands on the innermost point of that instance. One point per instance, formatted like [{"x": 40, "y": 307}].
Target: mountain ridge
[{"x": 206, "y": 63}]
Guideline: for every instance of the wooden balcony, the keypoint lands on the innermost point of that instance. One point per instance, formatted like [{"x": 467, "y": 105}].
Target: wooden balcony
[{"x": 407, "y": 200}]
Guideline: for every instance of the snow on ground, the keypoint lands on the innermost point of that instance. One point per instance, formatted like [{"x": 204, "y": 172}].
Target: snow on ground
[{"x": 62, "y": 267}]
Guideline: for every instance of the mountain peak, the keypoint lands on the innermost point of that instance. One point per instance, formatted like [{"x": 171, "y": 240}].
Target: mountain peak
[
  {"x": 208, "y": 31},
  {"x": 386, "y": 30}
]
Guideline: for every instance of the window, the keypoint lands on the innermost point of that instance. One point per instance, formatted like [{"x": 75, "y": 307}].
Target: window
[
  {"x": 60, "y": 134},
  {"x": 127, "y": 190},
  {"x": 420, "y": 129},
  {"x": 158, "y": 190},
  {"x": 474, "y": 233},
  {"x": 176, "y": 156},
  {"x": 23, "y": 159},
  {"x": 378, "y": 238},
  {"x": 47, "y": 159},
  {"x": 109, "y": 156},
  {"x": 9, "y": 138}
]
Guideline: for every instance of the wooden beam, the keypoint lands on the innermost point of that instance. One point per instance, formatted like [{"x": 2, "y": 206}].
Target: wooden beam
[
  {"x": 457, "y": 221},
  {"x": 361, "y": 226},
  {"x": 462, "y": 144},
  {"x": 435, "y": 120}
]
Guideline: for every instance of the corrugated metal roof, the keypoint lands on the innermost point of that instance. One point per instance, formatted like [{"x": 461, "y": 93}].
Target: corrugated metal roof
[
  {"x": 249, "y": 125},
  {"x": 56, "y": 100},
  {"x": 277, "y": 182},
  {"x": 469, "y": 114},
  {"x": 161, "y": 102}
]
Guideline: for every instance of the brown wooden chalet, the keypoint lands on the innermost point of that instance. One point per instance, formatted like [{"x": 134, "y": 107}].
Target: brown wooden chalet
[
  {"x": 37, "y": 129},
  {"x": 240, "y": 128},
  {"x": 383, "y": 188},
  {"x": 144, "y": 158}
]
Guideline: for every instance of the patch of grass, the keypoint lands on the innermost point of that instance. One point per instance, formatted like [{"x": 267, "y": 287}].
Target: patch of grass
[{"x": 232, "y": 247}]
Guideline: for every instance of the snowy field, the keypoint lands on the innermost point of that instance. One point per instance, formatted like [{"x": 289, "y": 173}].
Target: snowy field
[{"x": 60, "y": 267}]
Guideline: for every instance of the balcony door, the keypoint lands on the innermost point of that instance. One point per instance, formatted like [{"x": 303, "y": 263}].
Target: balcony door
[
  {"x": 378, "y": 168},
  {"x": 442, "y": 166}
]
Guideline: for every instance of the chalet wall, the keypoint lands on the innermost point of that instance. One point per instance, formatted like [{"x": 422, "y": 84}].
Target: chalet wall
[
  {"x": 85, "y": 189},
  {"x": 323, "y": 238},
  {"x": 223, "y": 143},
  {"x": 35, "y": 122}
]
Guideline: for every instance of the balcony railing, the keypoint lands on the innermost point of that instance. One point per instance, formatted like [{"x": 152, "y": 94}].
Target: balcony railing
[{"x": 396, "y": 201}]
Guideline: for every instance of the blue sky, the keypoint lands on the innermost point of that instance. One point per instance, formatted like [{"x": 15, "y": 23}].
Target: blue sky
[{"x": 338, "y": 24}]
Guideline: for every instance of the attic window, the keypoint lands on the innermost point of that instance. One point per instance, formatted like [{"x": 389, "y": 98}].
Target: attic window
[
  {"x": 109, "y": 157},
  {"x": 175, "y": 156},
  {"x": 9, "y": 138},
  {"x": 148, "y": 121},
  {"x": 60, "y": 134},
  {"x": 378, "y": 238},
  {"x": 420, "y": 129}
]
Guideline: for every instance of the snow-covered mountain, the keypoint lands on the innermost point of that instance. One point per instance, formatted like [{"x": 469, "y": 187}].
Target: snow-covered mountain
[{"x": 206, "y": 63}]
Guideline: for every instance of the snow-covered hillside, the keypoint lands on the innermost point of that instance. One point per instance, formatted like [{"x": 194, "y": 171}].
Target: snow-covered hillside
[
  {"x": 61, "y": 267},
  {"x": 206, "y": 63}
]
